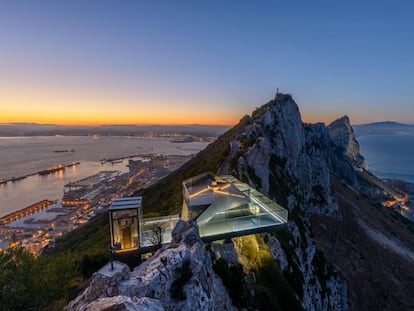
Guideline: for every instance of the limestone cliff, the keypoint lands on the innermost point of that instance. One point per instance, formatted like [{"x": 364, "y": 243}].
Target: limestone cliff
[
  {"x": 336, "y": 238},
  {"x": 342, "y": 135},
  {"x": 178, "y": 277},
  {"x": 290, "y": 162},
  {"x": 326, "y": 250}
]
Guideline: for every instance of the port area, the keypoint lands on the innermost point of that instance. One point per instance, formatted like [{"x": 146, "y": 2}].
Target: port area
[
  {"x": 35, "y": 228},
  {"x": 119, "y": 159}
]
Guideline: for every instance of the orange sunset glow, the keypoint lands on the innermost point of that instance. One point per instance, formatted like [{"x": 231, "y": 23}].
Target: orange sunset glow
[
  {"x": 52, "y": 108},
  {"x": 84, "y": 65}
]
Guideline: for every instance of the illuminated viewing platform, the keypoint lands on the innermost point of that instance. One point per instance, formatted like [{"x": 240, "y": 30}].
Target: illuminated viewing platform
[{"x": 223, "y": 207}]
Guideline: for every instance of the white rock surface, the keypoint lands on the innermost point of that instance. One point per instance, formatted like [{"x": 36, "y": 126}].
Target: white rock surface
[
  {"x": 295, "y": 159},
  {"x": 123, "y": 303},
  {"x": 184, "y": 265}
]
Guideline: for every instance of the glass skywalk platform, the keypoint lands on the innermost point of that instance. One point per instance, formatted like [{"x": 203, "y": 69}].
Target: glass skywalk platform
[
  {"x": 157, "y": 230},
  {"x": 224, "y": 207}
]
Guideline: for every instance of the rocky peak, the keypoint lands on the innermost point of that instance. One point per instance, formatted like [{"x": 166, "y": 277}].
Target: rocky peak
[
  {"x": 178, "y": 277},
  {"x": 342, "y": 135},
  {"x": 290, "y": 162},
  {"x": 274, "y": 154}
]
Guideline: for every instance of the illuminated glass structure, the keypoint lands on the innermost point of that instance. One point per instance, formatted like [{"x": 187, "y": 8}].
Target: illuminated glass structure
[
  {"x": 224, "y": 207},
  {"x": 124, "y": 218}
]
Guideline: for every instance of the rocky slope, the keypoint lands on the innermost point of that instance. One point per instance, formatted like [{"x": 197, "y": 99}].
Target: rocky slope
[
  {"x": 178, "y": 277},
  {"x": 372, "y": 249},
  {"x": 288, "y": 161},
  {"x": 294, "y": 164},
  {"x": 336, "y": 238}
]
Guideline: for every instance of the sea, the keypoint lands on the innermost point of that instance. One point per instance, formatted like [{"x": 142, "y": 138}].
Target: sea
[
  {"x": 389, "y": 156},
  {"x": 20, "y": 156}
]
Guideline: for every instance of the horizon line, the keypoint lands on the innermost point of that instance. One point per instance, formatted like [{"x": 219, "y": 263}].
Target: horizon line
[{"x": 114, "y": 124}]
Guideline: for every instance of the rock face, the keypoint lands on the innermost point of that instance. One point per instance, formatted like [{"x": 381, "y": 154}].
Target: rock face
[
  {"x": 178, "y": 277},
  {"x": 336, "y": 237},
  {"x": 291, "y": 162},
  {"x": 287, "y": 155},
  {"x": 103, "y": 284},
  {"x": 342, "y": 135},
  {"x": 123, "y": 303}
]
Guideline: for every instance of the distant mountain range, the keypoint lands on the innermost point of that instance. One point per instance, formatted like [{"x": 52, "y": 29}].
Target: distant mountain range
[
  {"x": 34, "y": 129},
  {"x": 384, "y": 127}
]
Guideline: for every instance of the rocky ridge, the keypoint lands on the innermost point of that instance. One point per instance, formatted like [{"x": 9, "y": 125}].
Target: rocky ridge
[
  {"x": 342, "y": 135},
  {"x": 291, "y": 162},
  {"x": 178, "y": 277},
  {"x": 302, "y": 167}
]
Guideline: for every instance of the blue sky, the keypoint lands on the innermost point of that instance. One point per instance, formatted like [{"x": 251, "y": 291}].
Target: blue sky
[{"x": 211, "y": 62}]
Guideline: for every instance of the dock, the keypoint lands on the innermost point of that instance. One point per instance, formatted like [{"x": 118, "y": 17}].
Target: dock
[
  {"x": 41, "y": 173},
  {"x": 120, "y": 159},
  {"x": 14, "y": 179},
  {"x": 26, "y": 211}
]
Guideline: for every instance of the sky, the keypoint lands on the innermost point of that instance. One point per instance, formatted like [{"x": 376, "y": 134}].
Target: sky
[{"x": 205, "y": 62}]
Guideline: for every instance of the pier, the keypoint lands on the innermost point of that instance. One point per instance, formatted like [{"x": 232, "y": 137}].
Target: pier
[
  {"x": 14, "y": 179},
  {"x": 56, "y": 168},
  {"x": 47, "y": 171},
  {"x": 120, "y": 159},
  {"x": 26, "y": 211}
]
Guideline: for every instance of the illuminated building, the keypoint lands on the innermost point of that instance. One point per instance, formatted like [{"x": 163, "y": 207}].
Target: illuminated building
[
  {"x": 124, "y": 223},
  {"x": 222, "y": 206}
]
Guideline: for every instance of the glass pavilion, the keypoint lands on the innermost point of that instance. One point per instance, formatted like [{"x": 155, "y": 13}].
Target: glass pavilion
[{"x": 224, "y": 207}]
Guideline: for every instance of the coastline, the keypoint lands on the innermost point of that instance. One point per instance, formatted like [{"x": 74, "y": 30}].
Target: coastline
[
  {"x": 36, "y": 227},
  {"x": 389, "y": 154},
  {"x": 21, "y": 155},
  {"x": 406, "y": 210}
]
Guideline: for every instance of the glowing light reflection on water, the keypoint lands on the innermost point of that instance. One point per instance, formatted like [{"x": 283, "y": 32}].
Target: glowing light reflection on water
[{"x": 23, "y": 155}]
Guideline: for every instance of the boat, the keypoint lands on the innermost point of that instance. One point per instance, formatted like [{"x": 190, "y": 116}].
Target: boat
[
  {"x": 183, "y": 140},
  {"x": 116, "y": 161},
  {"x": 64, "y": 150},
  {"x": 50, "y": 170}
]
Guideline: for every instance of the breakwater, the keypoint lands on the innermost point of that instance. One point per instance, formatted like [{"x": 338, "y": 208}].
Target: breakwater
[
  {"x": 120, "y": 159},
  {"x": 26, "y": 211},
  {"x": 47, "y": 171}
]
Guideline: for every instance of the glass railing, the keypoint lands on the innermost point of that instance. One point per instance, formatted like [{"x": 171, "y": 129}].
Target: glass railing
[
  {"x": 157, "y": 230},
  {"x": 239, "y": 224}
]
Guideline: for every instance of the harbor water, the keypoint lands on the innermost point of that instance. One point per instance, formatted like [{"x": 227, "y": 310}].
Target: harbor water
[{"x": 20, "y": 156}]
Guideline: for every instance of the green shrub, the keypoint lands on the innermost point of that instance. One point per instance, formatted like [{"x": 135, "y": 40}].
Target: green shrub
[{"x": 30, "y": 283}]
